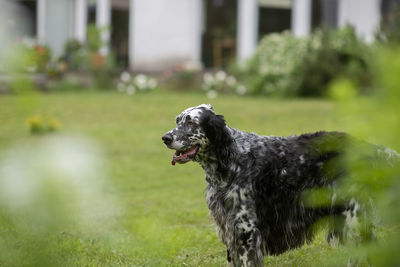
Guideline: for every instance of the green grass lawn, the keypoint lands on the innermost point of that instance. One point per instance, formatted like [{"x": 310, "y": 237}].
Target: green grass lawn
[{"x": 164, "y": 220}]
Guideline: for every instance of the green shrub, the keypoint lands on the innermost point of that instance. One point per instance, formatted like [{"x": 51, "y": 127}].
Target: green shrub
[
  {"x": 271, "y": 70},
  {"x": 87, "y": 57},
  {"x": 186, "y": 76},
  {"x": 135, "y": 84},
  {"x": 26, "y": 57},
  {"x": 74, "y": 54},
  {"x": 37, "y": 125},
  {"x": 330, "y": 55},
  {"x": 375, "y": 184},
  {"x": 389, "y": 30},
  {"x": 287, "y": 66},
  {"x": 221, "y": 82},
  {"x": 42, "y": 57}
]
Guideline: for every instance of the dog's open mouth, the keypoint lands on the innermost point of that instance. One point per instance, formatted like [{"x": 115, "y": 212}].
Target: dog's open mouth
[{"x": 184, "y": 156}]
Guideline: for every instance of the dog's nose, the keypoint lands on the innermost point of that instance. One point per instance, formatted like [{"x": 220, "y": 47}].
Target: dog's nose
[{"x": 167, "y": 138}]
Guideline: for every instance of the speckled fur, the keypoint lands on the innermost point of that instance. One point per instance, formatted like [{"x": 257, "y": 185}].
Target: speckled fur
[{"x": 255, "y": 183}]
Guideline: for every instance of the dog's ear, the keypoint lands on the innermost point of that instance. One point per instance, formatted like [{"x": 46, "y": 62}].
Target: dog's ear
[{"x": 215, "y": 129}]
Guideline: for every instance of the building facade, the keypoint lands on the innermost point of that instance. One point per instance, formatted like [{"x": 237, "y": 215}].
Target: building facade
[{"x": 152, "y": 35}]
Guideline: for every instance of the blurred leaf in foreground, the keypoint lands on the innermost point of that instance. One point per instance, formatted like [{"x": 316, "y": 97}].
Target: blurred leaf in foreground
[{"x": 376, "y": 182}]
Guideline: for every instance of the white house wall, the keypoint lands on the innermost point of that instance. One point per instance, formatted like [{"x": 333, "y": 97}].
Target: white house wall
[
  {"x": 103, "y": 21},
  {"x": 79, "y": 19},
  {"x": 41, "y": 21},
  {"x": 58, "y": 24},
  {"x": 363, "y": 15},
  {"x": 301, "y": 17},
  {"x": 164, "y": 33},
  {"x": 247, "y": 28}
]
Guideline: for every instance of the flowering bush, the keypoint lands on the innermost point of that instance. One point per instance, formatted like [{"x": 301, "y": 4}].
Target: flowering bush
[
  {"x": 55, "y": 68},
  {"x": 332, "y": 55},
  {"x": 33, "y": 57},
  {"x": 221, "y": 82},
  {"x": 74, "y": 54},
  {"x": 284, "y": 65},
  {"x": 42, "y": 56},
  {"x": 87, "y": 57},
  {"x": 134, "y": 84},
  {"x": 38, "y": 126},
  {"x": 29, "y": 56},
  {"x": 271, "y": 69},
  {"x": 183, "y": 76}
]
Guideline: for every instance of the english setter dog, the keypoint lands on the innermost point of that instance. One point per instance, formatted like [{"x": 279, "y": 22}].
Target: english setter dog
[{"x": 255, "y": 183}]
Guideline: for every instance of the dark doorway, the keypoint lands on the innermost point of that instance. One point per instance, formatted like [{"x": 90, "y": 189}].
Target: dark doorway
[
  {"x": 273, "y": 20},
  {"x": 324, "y": 14},
  {"x": 120, "y": 35},
  {"x": 91, "y": 13},
  {"x": 388, "y": 9},
  {"x": 30, "y": 15},
  {"x": 316, "y": 14},
  {"x": 219, "y": 33}
]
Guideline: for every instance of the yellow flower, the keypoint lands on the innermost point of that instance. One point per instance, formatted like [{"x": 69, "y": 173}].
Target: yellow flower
[
  {"x": 54, "y": 125},
  {"x": 35, "y": 124}
]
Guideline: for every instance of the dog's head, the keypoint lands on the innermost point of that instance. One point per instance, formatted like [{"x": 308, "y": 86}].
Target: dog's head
[{"x": 197, "y": 128}]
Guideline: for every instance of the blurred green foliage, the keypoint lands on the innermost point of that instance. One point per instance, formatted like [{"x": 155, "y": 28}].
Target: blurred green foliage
[
  {"x": 59, "y": 189},
  {"x": 287, "y": 66},
  {"x": 221, "y": 82},
  {"x": 389, "y": 29},
  {"x": 329, "y": 55},
  {"x": 375, "y": 182},
  {"x": 87, "y": 57},
  {"x": 38, "y": 125},
  {"x": 271, "y": 70},
  {"x": 136, "y": 84}
]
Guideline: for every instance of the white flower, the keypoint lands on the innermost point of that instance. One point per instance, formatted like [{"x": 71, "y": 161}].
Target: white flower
[
  {"x": 152, "y": 83},
  {"x": 54, "y": 164},
  {"x": 32, "y": 68},
  {"x": 125, "y": 76},
  {"x": 211, "y": 94},
  {"x": 120, "y": 87},
  {"x": 241, "y": 90},
  {"x": 230, "y": 81},
  {"x": 205, "y": 87},
  {"x": 192, "y": 66},
  {"x": 30, "y": 42},
  {"x": 141, "y": 81},
  {"x": 131, "y": 90},
  {"x": 208, "y": 78},
  {"x": 220, "y": 75}
]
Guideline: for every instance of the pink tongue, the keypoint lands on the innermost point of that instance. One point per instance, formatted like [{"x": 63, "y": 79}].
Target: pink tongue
[{"x": 176, "y": 158}]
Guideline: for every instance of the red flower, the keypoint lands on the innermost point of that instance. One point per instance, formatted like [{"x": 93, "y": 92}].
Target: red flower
[
  {"x": 167, "y": 73},
  {"x": 97, "y": 60},
  {"x": 178, "y": 67},
  {"x": 40, "y": 50}
]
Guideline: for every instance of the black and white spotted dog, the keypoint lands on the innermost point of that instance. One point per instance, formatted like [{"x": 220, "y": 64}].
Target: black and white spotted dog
[{"x": 255, "y": 183}]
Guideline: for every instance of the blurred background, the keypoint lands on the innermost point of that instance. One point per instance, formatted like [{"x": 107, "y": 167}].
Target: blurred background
[
  {"x": 89, "y": 43},
  {"x": 88, "y": 87},
  {"x": 156, "y": 35}
]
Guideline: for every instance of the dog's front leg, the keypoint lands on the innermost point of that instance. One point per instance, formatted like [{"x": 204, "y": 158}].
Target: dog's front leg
[
  {"x": 247, "y": 251},
  {"x": 246, "y": 246},
  {"x": 229, "y": 258}
]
